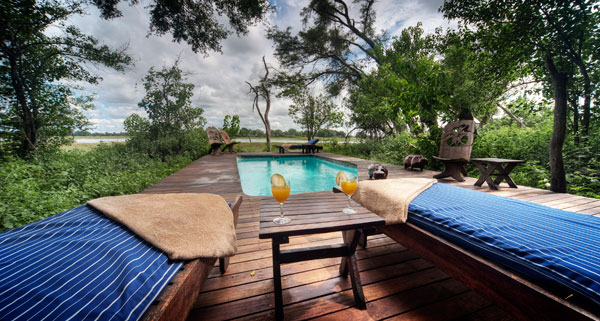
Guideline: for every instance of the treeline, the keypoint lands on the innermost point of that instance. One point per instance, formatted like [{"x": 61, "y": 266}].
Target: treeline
[
  {"x": 245, "y": 132},
  {"x": 85, "y": 133}
]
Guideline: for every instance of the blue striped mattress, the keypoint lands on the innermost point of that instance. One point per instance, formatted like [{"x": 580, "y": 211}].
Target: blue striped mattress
[
  {"x": 79, "y": 265},
  {"x": 552, "y": 247}
]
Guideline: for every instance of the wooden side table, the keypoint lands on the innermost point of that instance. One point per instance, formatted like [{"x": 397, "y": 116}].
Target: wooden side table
[
  {"x": 312, "y": 214},
  {"x": 495, "y": 167}
]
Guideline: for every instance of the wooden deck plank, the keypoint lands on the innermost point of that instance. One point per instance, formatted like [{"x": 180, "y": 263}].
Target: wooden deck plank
[{"x": 397, "y": 283}]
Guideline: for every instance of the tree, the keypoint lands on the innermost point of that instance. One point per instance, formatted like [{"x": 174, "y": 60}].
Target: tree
[
  {"x": 334, "y": 45},
  {"x": 424, "y": 78},
  {"x": 174, "y": 124},
  {"x": 313, "y": 112},
  {"x": 33, "y": 64},
  {"x": 263, "y": 90},
  {"x": 231, "y": 125},
  {"x": 196, "y": 22},
  {"x": 555, "y": 38}
]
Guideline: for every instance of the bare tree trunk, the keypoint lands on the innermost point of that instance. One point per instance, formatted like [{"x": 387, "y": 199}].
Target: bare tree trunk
[
  {"x": 558, "y": 182},
  {"x": 263, "y": 90},
  {"x": 267, "y": 122}
]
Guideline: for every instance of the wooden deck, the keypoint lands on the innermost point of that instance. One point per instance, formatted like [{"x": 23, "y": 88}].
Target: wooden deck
[{"x": 397, "y": 284}]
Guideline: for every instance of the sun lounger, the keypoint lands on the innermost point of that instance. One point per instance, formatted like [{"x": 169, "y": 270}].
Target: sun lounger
[
  {"x": 214, "y": 140},
  {"x": 228, "y": 143},
  {"x": 309, "y": 147},
  {"x": 81, "y": 265},
  {"x": 537, "y": 262}
]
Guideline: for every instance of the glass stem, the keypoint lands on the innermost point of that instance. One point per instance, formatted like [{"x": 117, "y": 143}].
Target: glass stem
[
  {"x": 281, "y": 210},
  {"x": 349, "y": 198}
]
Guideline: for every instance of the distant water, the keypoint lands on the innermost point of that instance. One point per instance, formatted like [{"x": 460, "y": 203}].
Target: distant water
[{"x": 98, "y": 140}]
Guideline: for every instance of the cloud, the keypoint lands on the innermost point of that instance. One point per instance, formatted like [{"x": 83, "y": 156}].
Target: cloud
[{"x": 219, "y": 78}]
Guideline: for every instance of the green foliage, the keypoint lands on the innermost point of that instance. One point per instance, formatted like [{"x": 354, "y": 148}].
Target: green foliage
[
  {"x": 392, "y": 149},
  {"x": 338, "y": 38},
  {"x": 423, "y": 78},
  {"x": 196, "y": 22},
  {"x": 54, "y": 182},
  {"x": 174, "y": 126},
  {"x": 168, "y": 101},
  {"x": 232, "y": 125},
  {"x": 557, "y": 41},
  {"x": 58, "y": 114},
  {"x": 38, "y": 110},
  {"x": 313, "y": 112},
  {"x": 514, "y": 142},
  {"x": 499, "y": 139}
]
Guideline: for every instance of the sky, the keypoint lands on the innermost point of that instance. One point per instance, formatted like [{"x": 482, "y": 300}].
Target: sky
[{"x": 219, "y": 78}]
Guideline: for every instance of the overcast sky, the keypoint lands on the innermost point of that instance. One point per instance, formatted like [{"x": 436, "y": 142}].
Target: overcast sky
[{"x": 219, "y": 78}]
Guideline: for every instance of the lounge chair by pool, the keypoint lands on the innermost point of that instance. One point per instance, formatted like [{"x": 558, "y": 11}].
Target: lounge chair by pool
[
  {"x": 309, "y": 147},
  {"x": 537, "y": 262},
  {"x": 81, "y": 265},
  {"x": 228, "y": 143},
  {"x": 214, "y": 140}
]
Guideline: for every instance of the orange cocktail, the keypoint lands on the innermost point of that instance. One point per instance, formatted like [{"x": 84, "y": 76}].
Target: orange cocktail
[
  {"x": 349, "y": 187},
  {"x": 281, "y": 193},
  {"x": 280, "y": 188},
  {"x": 348, "y": 183}
]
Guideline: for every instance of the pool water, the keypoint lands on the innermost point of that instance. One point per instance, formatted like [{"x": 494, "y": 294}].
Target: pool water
[{"x": 305, "y": 173}]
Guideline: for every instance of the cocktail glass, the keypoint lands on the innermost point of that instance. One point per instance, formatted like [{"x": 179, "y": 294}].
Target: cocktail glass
[
  {"x": 281, "y": 192},
  {"x": 349, "y": 187}
]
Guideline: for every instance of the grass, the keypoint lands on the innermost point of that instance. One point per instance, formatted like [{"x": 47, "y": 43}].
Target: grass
[
  {"x": 85, "y": 147},
  {"x": 49, "y": 184}
]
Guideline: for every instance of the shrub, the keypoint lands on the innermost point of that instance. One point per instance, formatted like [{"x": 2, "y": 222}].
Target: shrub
[
  {"x": 192, "y": 143},
  {"x": 54, "y": 182}
]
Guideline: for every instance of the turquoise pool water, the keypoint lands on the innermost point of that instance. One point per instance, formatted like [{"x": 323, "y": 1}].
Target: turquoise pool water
[{"x": 306, "y": 173}]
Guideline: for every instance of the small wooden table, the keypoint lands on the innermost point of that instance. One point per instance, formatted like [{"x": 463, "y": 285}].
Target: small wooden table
[
  {"x": 495, "y": 167},
  {"x": 313, "y": 214}
]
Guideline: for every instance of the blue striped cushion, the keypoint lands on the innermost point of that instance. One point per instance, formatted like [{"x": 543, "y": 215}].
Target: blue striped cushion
[
  {"x": 79, "y": 265},
  {"x": 556, "y": 247}
]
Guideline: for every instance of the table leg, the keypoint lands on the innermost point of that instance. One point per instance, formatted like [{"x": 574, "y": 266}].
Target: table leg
[
  {"x": 486, "y": 173},
  {"x": 503, "y": 175},
  {"x": 348, "y": 265},
  {"x": 482, "y": 169},
  {"x": 277, "y": 281},
  {"x": 359, "y": 296},
  {"x": 347, "y": 237}
]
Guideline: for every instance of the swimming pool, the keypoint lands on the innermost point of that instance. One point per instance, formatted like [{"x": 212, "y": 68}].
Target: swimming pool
[{"x": 306, "y": 173}]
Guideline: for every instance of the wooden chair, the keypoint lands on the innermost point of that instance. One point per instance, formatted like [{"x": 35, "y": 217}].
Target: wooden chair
[
  {"x": 455, "y": 148},
  {"x": 214, "y": 140},
  {"x": 228, "y": 143},
  {"x": 179, "y": 297}
]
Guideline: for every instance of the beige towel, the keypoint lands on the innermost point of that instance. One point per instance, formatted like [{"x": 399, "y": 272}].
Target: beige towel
[
  {"x": 184, "y": 225},
  {"x": 286, "y": 146},
  {"x": 389, "y": 198}
]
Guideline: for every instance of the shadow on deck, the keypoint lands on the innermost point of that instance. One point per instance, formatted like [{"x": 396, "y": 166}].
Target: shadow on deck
[{"x": 397, "y": 283}]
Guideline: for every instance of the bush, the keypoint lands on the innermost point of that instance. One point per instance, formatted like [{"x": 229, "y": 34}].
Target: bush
[
  {"x": 392, "y": 149},
  {"x": 191, "y": 143},
  {"x": 514, "y": 142},
  {"x": 54, "y": 182}
]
